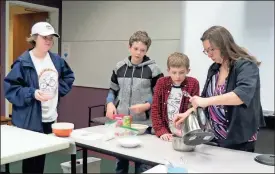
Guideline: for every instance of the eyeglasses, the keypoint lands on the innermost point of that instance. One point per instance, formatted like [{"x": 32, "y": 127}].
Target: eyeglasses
[
  {"x": 49, "y": 38},
  {"x": 209, "y": 50}
]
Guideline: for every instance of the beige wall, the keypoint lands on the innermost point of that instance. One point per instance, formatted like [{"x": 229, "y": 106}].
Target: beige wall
[{"x": 97, "y": 34}]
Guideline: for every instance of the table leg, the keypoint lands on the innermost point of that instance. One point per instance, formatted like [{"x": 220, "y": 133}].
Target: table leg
[
  {"x": 7, "y": 168},
  {"x": 85, "y": 156},
  {"x": 73, "y": 163}
]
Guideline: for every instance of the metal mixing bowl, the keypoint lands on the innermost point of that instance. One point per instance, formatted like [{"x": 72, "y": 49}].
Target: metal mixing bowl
[{"x": 178, "y": 144}]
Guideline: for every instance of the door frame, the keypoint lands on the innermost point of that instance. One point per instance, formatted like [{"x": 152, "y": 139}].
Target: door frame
[{"x": 54, "y": 18}]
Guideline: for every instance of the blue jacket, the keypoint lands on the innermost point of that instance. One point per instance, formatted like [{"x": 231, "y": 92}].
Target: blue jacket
[{"x": 20, "y": 85}]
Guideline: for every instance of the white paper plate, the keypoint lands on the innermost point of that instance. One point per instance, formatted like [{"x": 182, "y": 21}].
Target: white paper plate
[{"x": 129, "y": 142}]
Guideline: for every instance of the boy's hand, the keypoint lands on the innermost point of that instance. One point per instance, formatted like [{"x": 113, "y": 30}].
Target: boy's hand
[
  {"x": 167, "y": 137},
  {"x": 111, "y": 110},
  {"x": 140, "y": 108},
  {"x": 179, "y": 118}
]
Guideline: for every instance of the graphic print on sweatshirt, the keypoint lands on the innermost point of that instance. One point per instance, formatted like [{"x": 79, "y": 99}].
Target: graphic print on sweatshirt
[
  {"x": 173, "y": 107},
  {"x": 48, "y": 81}
]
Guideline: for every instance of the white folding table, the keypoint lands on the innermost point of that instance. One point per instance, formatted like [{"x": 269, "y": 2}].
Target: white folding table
[
  {"x": 154, "y": 151},
  {"x": 18, "y": 144}
]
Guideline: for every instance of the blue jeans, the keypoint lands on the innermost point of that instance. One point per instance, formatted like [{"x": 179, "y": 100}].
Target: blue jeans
[{"x": 122, "y": 165}]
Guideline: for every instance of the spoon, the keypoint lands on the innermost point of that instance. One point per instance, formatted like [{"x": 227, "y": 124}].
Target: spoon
[
  {"x": 186, "y": 94},
  {"x": 168, "y": 164}
]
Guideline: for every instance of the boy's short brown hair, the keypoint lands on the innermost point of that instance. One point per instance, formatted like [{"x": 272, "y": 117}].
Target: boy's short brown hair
[
  {"x": 178, "y": 60},
  {"x": 140, "y": 36}
]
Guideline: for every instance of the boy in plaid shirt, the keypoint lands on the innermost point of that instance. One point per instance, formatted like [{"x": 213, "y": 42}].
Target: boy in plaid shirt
[{"x": 168, "y": 100}]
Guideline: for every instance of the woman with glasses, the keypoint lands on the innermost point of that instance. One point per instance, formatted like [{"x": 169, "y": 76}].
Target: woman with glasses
[
  {"x": 231, "y": 94},
  {"x": 33, "y": 86}
]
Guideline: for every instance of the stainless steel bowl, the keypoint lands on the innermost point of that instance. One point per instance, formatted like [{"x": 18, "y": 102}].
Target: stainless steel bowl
[{"x": 178, "y": 144}]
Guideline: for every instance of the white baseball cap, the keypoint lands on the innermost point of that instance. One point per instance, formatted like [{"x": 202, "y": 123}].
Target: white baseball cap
[{"x": 43, "y": 29}]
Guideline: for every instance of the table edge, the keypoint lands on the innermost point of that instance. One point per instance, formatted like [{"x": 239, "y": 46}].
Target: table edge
[
  {"x": 115, "y": 154},
  {"x": 37, "y": 152}
]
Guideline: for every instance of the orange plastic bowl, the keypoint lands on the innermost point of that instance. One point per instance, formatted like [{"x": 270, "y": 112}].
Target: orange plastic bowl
[{"x": 62, "y": 129}]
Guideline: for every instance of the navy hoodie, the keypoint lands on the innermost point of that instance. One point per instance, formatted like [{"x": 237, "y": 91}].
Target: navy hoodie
[{"x": 21, "y": 83}]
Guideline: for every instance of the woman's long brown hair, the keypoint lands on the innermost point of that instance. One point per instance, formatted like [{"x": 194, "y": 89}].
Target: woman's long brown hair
[{"x": 222, "y": 39}]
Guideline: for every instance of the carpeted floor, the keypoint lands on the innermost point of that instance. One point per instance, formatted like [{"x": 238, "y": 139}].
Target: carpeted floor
[{"x": 54, "y": 160}]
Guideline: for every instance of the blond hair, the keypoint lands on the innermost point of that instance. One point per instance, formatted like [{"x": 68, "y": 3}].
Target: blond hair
[
  {"x": 140, "y": 36},
  {"x": 32, "y": 39},
  {"x": 178, "y": 60}
]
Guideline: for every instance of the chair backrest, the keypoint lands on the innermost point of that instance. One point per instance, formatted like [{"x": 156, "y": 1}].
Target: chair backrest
[{"x": 90, "y": 112}]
